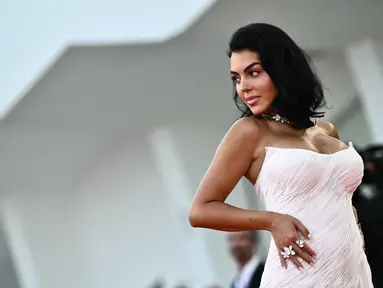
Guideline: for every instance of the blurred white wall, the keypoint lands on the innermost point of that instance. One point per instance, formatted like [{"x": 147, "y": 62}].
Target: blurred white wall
[
  {"x": 32, "y": 48},
  {"x": 41, "y": 228},
  {"x": 126, "y": 222},
  {"x": 355, "y": 128},
  {"x": 118, "y": 229},
  {"x": 344, "y": 100},
  {"x": 8, "y": 277},
  {"x": 197, "y": 145}
]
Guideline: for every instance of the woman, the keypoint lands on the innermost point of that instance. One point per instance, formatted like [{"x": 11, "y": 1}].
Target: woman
[{"x": 303, "y": 172}]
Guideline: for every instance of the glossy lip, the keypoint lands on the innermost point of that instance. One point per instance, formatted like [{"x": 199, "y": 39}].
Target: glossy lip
[{"x": 252, "y": 100}]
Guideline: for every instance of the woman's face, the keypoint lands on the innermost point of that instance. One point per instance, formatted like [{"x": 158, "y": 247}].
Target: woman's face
[{"x": 253, "y": 84}]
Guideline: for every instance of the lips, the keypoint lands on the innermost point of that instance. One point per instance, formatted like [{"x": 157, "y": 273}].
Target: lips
[{"x": 252, "y": 100}]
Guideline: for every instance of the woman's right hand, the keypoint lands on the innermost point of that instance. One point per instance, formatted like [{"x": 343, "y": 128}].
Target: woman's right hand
[{"x": 286, "y": 231}]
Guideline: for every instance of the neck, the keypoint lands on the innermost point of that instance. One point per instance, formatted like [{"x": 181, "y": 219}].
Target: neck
[
  {"x": 242, "y": 263},
  {"x": 277, "y": 118}
]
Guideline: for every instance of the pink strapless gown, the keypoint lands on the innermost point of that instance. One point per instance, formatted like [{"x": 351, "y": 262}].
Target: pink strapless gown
[{"x": 316, "y": 189}]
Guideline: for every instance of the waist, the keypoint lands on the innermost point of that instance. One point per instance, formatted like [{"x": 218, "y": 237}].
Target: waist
[
  {"x": 334, "y": 249},
  {"x": 336, "y": 237}
]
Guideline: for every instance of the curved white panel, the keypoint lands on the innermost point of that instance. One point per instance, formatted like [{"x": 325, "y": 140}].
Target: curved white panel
[{"x": 36, "y": 34}]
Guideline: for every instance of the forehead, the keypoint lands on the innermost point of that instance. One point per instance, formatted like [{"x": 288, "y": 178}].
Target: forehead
[{"x": 240, "y": 60}]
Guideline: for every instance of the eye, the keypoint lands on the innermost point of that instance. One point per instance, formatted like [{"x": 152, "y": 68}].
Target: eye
[
  {"x": 253, "y": 73},
  {"x": 235, "y": 79}
]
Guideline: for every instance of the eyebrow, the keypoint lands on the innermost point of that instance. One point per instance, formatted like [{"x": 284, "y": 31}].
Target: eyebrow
[{"x": 247, "y": 67}]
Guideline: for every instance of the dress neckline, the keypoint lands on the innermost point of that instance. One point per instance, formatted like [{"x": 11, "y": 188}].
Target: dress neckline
[{"x": 350, "y": 146}]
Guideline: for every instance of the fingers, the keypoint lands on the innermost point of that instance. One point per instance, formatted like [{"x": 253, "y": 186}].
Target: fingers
[
  {"x": 301, "y": 228},
  {"x": 301, "y": 246},
  {"x": 295, "y": 249},
  {"x": 289, "y": 253},
  {"x": 309, "y": 251},
  {"x": 297, "y": 253},
  {"x": 304, "y": 231},
  {"x": 304, "y": 256},
  {"x": 283, "y": 262},
  {"x": 296, "y": 262}
]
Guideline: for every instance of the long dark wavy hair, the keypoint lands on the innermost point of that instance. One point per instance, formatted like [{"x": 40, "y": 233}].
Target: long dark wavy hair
[{"x": 300, "y": 92}]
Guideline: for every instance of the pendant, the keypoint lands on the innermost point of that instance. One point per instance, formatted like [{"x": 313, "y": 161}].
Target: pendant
[{"x": 277, "y": 118}]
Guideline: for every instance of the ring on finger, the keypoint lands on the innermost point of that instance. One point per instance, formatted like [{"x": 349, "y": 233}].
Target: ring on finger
[
  {"x": 287, "y": 252},
  {"x": 300, "y": 243}
]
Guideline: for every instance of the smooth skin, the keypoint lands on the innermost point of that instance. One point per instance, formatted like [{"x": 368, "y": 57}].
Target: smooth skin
[{"x": 241, "y": 154}]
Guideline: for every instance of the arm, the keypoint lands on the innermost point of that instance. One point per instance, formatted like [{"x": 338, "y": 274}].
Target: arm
[
  {"x": 233, "y": 158},
  {"x": 231, "y": 161}
]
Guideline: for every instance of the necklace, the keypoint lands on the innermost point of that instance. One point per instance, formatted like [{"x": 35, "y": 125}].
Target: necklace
[{"x": 277, "y": 118}]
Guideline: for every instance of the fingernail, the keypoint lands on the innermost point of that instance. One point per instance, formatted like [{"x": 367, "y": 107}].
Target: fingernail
[
  {"x": 309, "y": 236},
  {"x": 302, "y": 270}
]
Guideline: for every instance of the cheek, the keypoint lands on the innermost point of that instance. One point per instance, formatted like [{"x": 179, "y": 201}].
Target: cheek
[
  {"x": 240, "y": 93},
  {"x": 267, "y": 86}
]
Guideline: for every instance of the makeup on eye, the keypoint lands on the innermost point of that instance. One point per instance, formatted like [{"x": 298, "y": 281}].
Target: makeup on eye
[
  {"x": 247, "y": 68},
  {"x": 234, "y": 78},
  {"x": 253, "y": 73}
]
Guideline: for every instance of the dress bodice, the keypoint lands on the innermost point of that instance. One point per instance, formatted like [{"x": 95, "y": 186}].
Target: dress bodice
[
  {"x": 317, "y": 189},
  {"x": 304, "y": 176}
]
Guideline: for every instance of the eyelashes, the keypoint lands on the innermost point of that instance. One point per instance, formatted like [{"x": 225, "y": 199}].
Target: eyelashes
[
  {"x": 252, "y": 74},
  {"x": 234, "y": 79}
]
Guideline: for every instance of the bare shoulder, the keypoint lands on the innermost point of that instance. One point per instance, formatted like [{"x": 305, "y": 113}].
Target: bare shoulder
[
  {"x": 328, "y": 128},
  {"x": 231, "y": 161},
  {"x": 245, "y": 129},
  {"x": 242, "y": 140}
]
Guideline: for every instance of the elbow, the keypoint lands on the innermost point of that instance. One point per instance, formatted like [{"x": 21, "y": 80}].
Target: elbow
[{"x": 196, "y": 216}]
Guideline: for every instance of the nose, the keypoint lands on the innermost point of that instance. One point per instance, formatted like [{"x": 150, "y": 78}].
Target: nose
[{"x": 244, "y": 86}]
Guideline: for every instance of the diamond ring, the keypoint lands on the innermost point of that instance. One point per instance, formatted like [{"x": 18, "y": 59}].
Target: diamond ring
[
  {"x": 287, "y": 252},
  {"x": 300, "y": 243}
]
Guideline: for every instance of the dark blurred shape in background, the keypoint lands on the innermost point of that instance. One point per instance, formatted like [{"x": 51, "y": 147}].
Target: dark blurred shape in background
[{"x": 368, "y": 200}]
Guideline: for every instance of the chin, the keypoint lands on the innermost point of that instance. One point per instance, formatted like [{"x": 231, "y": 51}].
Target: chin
[{"x": 257, "y": 110}]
